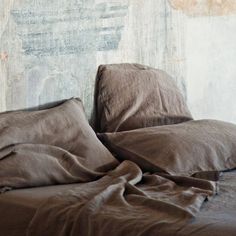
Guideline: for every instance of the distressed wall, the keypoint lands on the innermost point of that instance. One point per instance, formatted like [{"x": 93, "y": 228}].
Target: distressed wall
[
  {"x": 211, "y": 73},
  {"x": 50, "y": 50},
  {"x": 210, "y": 53}
]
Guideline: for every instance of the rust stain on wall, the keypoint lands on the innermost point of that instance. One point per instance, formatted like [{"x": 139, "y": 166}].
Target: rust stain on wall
[
  {"x": 3, "y": 56},
  {"x": 205, "y": 7}
]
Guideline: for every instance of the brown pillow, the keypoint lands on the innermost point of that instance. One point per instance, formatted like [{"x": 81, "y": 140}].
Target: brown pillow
[
  {"x": 131, "y": 96},
  {"x": 63, "y": 126},
  {"x": 183, "y": 149}
]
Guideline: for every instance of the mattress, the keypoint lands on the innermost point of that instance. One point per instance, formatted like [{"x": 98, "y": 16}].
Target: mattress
[{"x": 218, "y": 214}]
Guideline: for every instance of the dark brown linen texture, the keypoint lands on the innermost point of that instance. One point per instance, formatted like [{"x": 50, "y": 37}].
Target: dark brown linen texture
[
  {"x": 57, "y": 146},
  {"x": 189, "y": 148},
  {"x": 50, "y": 146},
  {"x": 131, "y": 96},
  {"x": 124, "y": 202}
]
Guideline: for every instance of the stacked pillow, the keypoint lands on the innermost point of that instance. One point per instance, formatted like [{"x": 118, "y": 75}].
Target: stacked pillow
[
  {"x": 52, "y": 146},
  {"x": 186, "y": 149},
  {"x": 132, "y": 96},
  {"x": 142, "y": 116}
]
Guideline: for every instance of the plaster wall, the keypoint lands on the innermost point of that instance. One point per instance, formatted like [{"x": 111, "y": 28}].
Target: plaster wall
[{"x": 50, "y": 50}]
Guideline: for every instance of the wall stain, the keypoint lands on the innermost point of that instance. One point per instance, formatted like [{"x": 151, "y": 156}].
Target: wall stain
[
  {"x": 205, "y": 7},
  {"x": 102, "y": 11},
  {"x": 85, "y": 34},
  {"x": 3, "y": 56},
  {"x": 73, "y": 42}
]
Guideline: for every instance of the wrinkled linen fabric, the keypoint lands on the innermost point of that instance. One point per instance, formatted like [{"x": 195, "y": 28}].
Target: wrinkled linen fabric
[
  {"x": 199, "y": 147},
  {"x": 57, "y": 146},
  {"x": 124, "y": 202},
  {"x": 52, "y": 146},
  {"x": 217, "y": 217},
  {"x": 132, "y": 96}
]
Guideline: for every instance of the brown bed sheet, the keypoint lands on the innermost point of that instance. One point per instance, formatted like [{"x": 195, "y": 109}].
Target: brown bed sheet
[
  {"x": 217, "y": 215},
  {"x": 22, "y": 204}
]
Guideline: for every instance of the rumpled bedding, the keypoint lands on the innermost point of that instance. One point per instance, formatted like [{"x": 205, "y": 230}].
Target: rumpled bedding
[
  {"x": 120, "y": 201},
  {"x": 47, "y": 147},
  {"x": 34, "y": 165},
  {"x": 123, "y": 202},
  {"x": 58, "y": 147}
]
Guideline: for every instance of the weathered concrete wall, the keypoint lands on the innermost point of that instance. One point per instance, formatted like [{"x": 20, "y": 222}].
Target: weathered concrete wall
[
  {"x": 210, "y": 52},
  {"x": 50, "y": 50},
  {"x": 211, "y": 73}
]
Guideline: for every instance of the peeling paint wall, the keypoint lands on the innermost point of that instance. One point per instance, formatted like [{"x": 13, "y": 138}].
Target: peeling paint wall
[{"x": 50, "y": 50}]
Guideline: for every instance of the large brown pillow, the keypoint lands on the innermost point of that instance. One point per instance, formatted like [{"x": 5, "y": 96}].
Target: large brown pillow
[
  {"x": 131, "y": 96},
  {"x": 183, "y": 149},
  {"x": 64, "y": 126}
]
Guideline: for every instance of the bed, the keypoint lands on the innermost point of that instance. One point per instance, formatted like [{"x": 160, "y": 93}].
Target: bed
[
  {"x": 216, "y": 217},
  {"x": 145, "y": 168}
]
